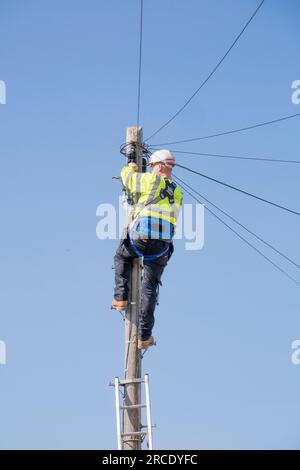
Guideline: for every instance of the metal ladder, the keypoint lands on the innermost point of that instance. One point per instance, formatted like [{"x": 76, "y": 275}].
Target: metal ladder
[{"x": 119, "y": 408}]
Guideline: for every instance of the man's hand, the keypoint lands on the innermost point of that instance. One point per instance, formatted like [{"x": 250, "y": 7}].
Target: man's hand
[{"x": 133, "y": 166}]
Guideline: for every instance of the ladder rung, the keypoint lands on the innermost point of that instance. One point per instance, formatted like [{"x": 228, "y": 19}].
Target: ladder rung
[
  {"x": 130, "y": 381},
  {"x": 128, "y": 407},
  {"x": 135, "y": 433}
]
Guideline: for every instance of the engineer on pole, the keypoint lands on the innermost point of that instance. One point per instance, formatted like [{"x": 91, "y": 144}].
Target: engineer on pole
[{"x": 149, "y": 236}]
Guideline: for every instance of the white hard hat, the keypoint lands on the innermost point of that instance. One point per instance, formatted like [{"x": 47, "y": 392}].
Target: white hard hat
[{"x": 162, "y": 156}]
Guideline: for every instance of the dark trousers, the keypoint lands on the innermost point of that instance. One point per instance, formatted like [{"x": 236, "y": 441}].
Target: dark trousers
[{"x": 152, "y": 273}]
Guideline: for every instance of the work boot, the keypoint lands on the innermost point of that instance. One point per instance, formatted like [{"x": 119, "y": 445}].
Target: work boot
[
  {"x": 119, "y": 304},
  {"x": 144, "y": 344}
]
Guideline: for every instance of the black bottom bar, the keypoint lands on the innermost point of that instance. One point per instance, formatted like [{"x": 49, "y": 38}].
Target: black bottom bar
[{"x": 134, "y": 459}]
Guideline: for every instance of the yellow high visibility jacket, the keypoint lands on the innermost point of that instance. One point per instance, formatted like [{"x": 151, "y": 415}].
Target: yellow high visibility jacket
[{"x": 147, "y": 187}]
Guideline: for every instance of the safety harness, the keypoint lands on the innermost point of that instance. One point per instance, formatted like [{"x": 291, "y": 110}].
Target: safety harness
[{"x": 167, "y": 192}]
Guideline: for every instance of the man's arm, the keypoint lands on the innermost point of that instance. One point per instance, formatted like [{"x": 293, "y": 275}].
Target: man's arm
[{"x": 134, "y": 181}]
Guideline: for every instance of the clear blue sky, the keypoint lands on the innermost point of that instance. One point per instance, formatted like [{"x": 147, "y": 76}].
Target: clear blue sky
[{"x": 221, "y": 375}]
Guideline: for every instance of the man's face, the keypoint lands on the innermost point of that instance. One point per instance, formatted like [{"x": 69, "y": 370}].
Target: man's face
[{"x": 161, "y": 170}]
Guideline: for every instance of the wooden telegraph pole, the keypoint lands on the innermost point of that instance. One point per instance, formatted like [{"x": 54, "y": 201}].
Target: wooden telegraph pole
[{"x": 132, "y": 400}]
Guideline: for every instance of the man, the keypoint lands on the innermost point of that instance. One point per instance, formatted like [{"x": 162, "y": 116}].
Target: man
[{"x": 149, "y": 236}]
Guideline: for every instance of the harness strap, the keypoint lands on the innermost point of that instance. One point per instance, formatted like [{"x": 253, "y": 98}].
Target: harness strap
[
  {"x": 147, "y": 257},
  {"x": 168, "y": 192}
]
